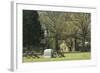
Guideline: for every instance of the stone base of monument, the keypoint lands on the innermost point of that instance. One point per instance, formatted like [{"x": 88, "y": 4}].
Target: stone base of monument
[{"x": 47, "y": 53}]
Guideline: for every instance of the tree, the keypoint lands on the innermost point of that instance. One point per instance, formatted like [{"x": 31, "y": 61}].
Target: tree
[
  {"x": 32, "y": 32},
  {"x": 69, "y": 26},
  {"x": 56, "y": 24},
  {"x": 83, "y": 21}
]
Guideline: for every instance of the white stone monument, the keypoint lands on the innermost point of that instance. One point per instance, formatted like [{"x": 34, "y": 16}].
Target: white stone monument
[{"x": 47, "y": 53}]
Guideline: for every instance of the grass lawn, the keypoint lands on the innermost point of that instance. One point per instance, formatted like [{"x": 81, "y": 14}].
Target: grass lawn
[{"x": 68, "y": 56}]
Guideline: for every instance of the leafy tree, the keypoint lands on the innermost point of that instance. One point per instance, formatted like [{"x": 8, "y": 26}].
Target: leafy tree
[
  {"x": 56, "y": 24},
  {"x": 83, "y": 21},
  {"x": 69, "y": 26},
  {"x": 32, "y": 32}
]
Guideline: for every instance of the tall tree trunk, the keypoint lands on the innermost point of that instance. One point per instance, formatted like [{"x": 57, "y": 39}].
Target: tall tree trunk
[
  {"x": 75, "y": 44},
  {"x": 83, "y": 44},
  {"x": 56, "y": 43},
  {"x": 73, "y": 48}
]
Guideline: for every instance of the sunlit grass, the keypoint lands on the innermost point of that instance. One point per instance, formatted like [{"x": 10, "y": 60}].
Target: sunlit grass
[{"x": 68, "y": 56}]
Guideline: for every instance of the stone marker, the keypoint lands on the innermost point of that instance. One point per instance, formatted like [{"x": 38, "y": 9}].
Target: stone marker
[{"x": 47, "y": 53}]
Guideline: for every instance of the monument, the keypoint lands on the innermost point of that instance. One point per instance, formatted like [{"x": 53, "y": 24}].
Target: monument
[{"x": 47, "y": 53}]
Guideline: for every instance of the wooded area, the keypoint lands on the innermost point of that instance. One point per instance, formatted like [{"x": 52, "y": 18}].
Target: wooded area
[{"x": 61, "y": 31}]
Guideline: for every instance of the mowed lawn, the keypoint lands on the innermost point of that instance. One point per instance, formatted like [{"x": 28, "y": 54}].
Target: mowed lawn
[{"x": 68, "y": 56}]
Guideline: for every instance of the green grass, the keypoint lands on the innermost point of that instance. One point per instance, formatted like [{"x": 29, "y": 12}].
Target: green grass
[{"x": 68, "y": 56}]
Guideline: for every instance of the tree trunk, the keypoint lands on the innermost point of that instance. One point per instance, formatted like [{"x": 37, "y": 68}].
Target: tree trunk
[
  {"x": 75, "y": 44},
  {"x": 56, "y": 43},
  {"x": 73, "y": 49},
  {"x": 83, "y": 44}
]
